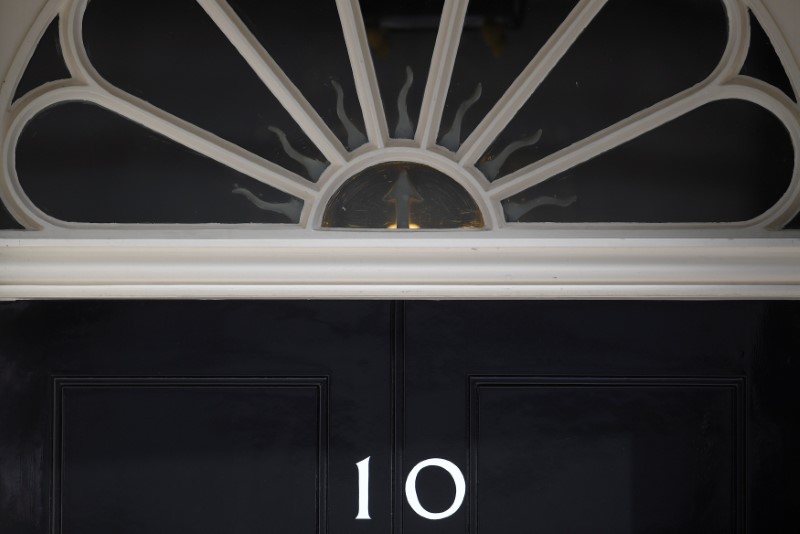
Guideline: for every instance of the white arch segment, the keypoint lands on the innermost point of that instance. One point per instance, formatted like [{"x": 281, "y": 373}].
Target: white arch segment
[
  {"x": 777, "y": 103},
  {"x": 101, "y": 92}
]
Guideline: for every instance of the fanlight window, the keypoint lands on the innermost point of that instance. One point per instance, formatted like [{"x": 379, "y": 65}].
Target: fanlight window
[{"x": 323, "y": 115}]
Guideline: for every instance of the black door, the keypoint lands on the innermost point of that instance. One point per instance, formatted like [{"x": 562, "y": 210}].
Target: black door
[{"x": 378, "y": 417}]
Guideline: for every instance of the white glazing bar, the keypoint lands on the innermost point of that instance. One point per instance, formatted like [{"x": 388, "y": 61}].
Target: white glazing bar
[
  {"x": 776, "y": 102},
  {"x": 738, "y": 46},
  {"x": 71, "y": 39},
  {"x": 11, "y": 195},
  {"x": 171, "y": 127},
  {"x": 740, "y": 88},
  {"x": 207, "y": 144},
  {"x": 355, "y": 36},
  {"x": 275, "y": 79},
  {"x": 441, "y": 71},
  {"x": 528, "y": 81},
  {"x": 107, "y": 95},
  {"x": 16, "y": 201},
  {"x": 640, "y": 123},
  {"x": 602, "y": 141}
]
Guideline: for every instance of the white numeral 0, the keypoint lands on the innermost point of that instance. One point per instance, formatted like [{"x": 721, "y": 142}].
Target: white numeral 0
[{"x": 411, "y": 488}]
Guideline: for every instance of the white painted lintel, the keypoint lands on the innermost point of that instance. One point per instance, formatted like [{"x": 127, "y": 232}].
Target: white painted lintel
[{"x": 432, "y": 269}]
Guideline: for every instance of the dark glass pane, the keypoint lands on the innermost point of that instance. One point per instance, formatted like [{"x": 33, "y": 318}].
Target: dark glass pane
[
  {"x": 402, "y": 36},
  {"x": 402, "y": 196},
  {"x": 81, "y": 163},
  {"x": 727, "y": 161},
  {"x": 46, "y": 64},
  {"x": 305, "y": 39},
  {"x": 173, "y": 55},
  {"x": 794, "y": 224},
  {"x": 633, "y": 55},
  {"x": 7, "y": 222},
  {"x": 500, "y": 38},
  {"x": 763, "y": 62}
]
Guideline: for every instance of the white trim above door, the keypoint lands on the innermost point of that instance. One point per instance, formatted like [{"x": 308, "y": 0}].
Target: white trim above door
[{"x": 53, "y": 258}]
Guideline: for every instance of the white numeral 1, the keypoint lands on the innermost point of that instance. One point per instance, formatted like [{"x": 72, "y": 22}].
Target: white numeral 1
[{"x": 363, "y": 488}]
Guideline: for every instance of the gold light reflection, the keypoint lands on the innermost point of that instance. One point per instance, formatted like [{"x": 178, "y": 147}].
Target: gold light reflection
[{"x": 411, "y": 226}]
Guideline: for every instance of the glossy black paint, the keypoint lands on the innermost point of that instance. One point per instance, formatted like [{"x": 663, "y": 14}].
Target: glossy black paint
[
  {"x": 192, "y": 417},
  {"x": 250, "y": 416},
  {"x": 238, "y": 453},
  {"x": 673, "y": 392}
]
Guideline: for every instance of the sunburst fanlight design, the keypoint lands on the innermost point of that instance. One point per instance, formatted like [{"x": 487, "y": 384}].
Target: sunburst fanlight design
[{"x": 398, "y": 167}]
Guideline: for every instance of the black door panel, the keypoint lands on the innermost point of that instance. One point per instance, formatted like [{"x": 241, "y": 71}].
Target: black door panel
[
  {"x": 609, "y": 416},
  {"x": 244, "y": 416},
  {"x": 196, "y": 417}
]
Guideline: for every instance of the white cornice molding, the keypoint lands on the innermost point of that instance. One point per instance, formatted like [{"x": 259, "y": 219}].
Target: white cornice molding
[{"x": 435, "y": 268}]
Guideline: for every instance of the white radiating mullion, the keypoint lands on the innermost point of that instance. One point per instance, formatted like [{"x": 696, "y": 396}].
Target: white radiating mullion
[
  {"x": 205, "y": 143},
  {"x": 528, "y": 81},
  {"x": 441, "y": 71},
  {"x": 355, "y": 36},
  {"x": 275, "y": 79},
  {"x": 208, "y": 144},
  {"x": 639, "y": 123},
  {"x": 91, "y": 87},
  {"x": 153, "y": 119},
  {"x": 602, "y": 141}
]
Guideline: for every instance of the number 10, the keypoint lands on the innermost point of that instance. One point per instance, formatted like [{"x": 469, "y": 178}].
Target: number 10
[{"x": 411, "y": 488}]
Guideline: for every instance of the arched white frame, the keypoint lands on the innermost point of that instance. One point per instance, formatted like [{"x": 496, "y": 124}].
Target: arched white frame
[{"x": 511, "y": 260}]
